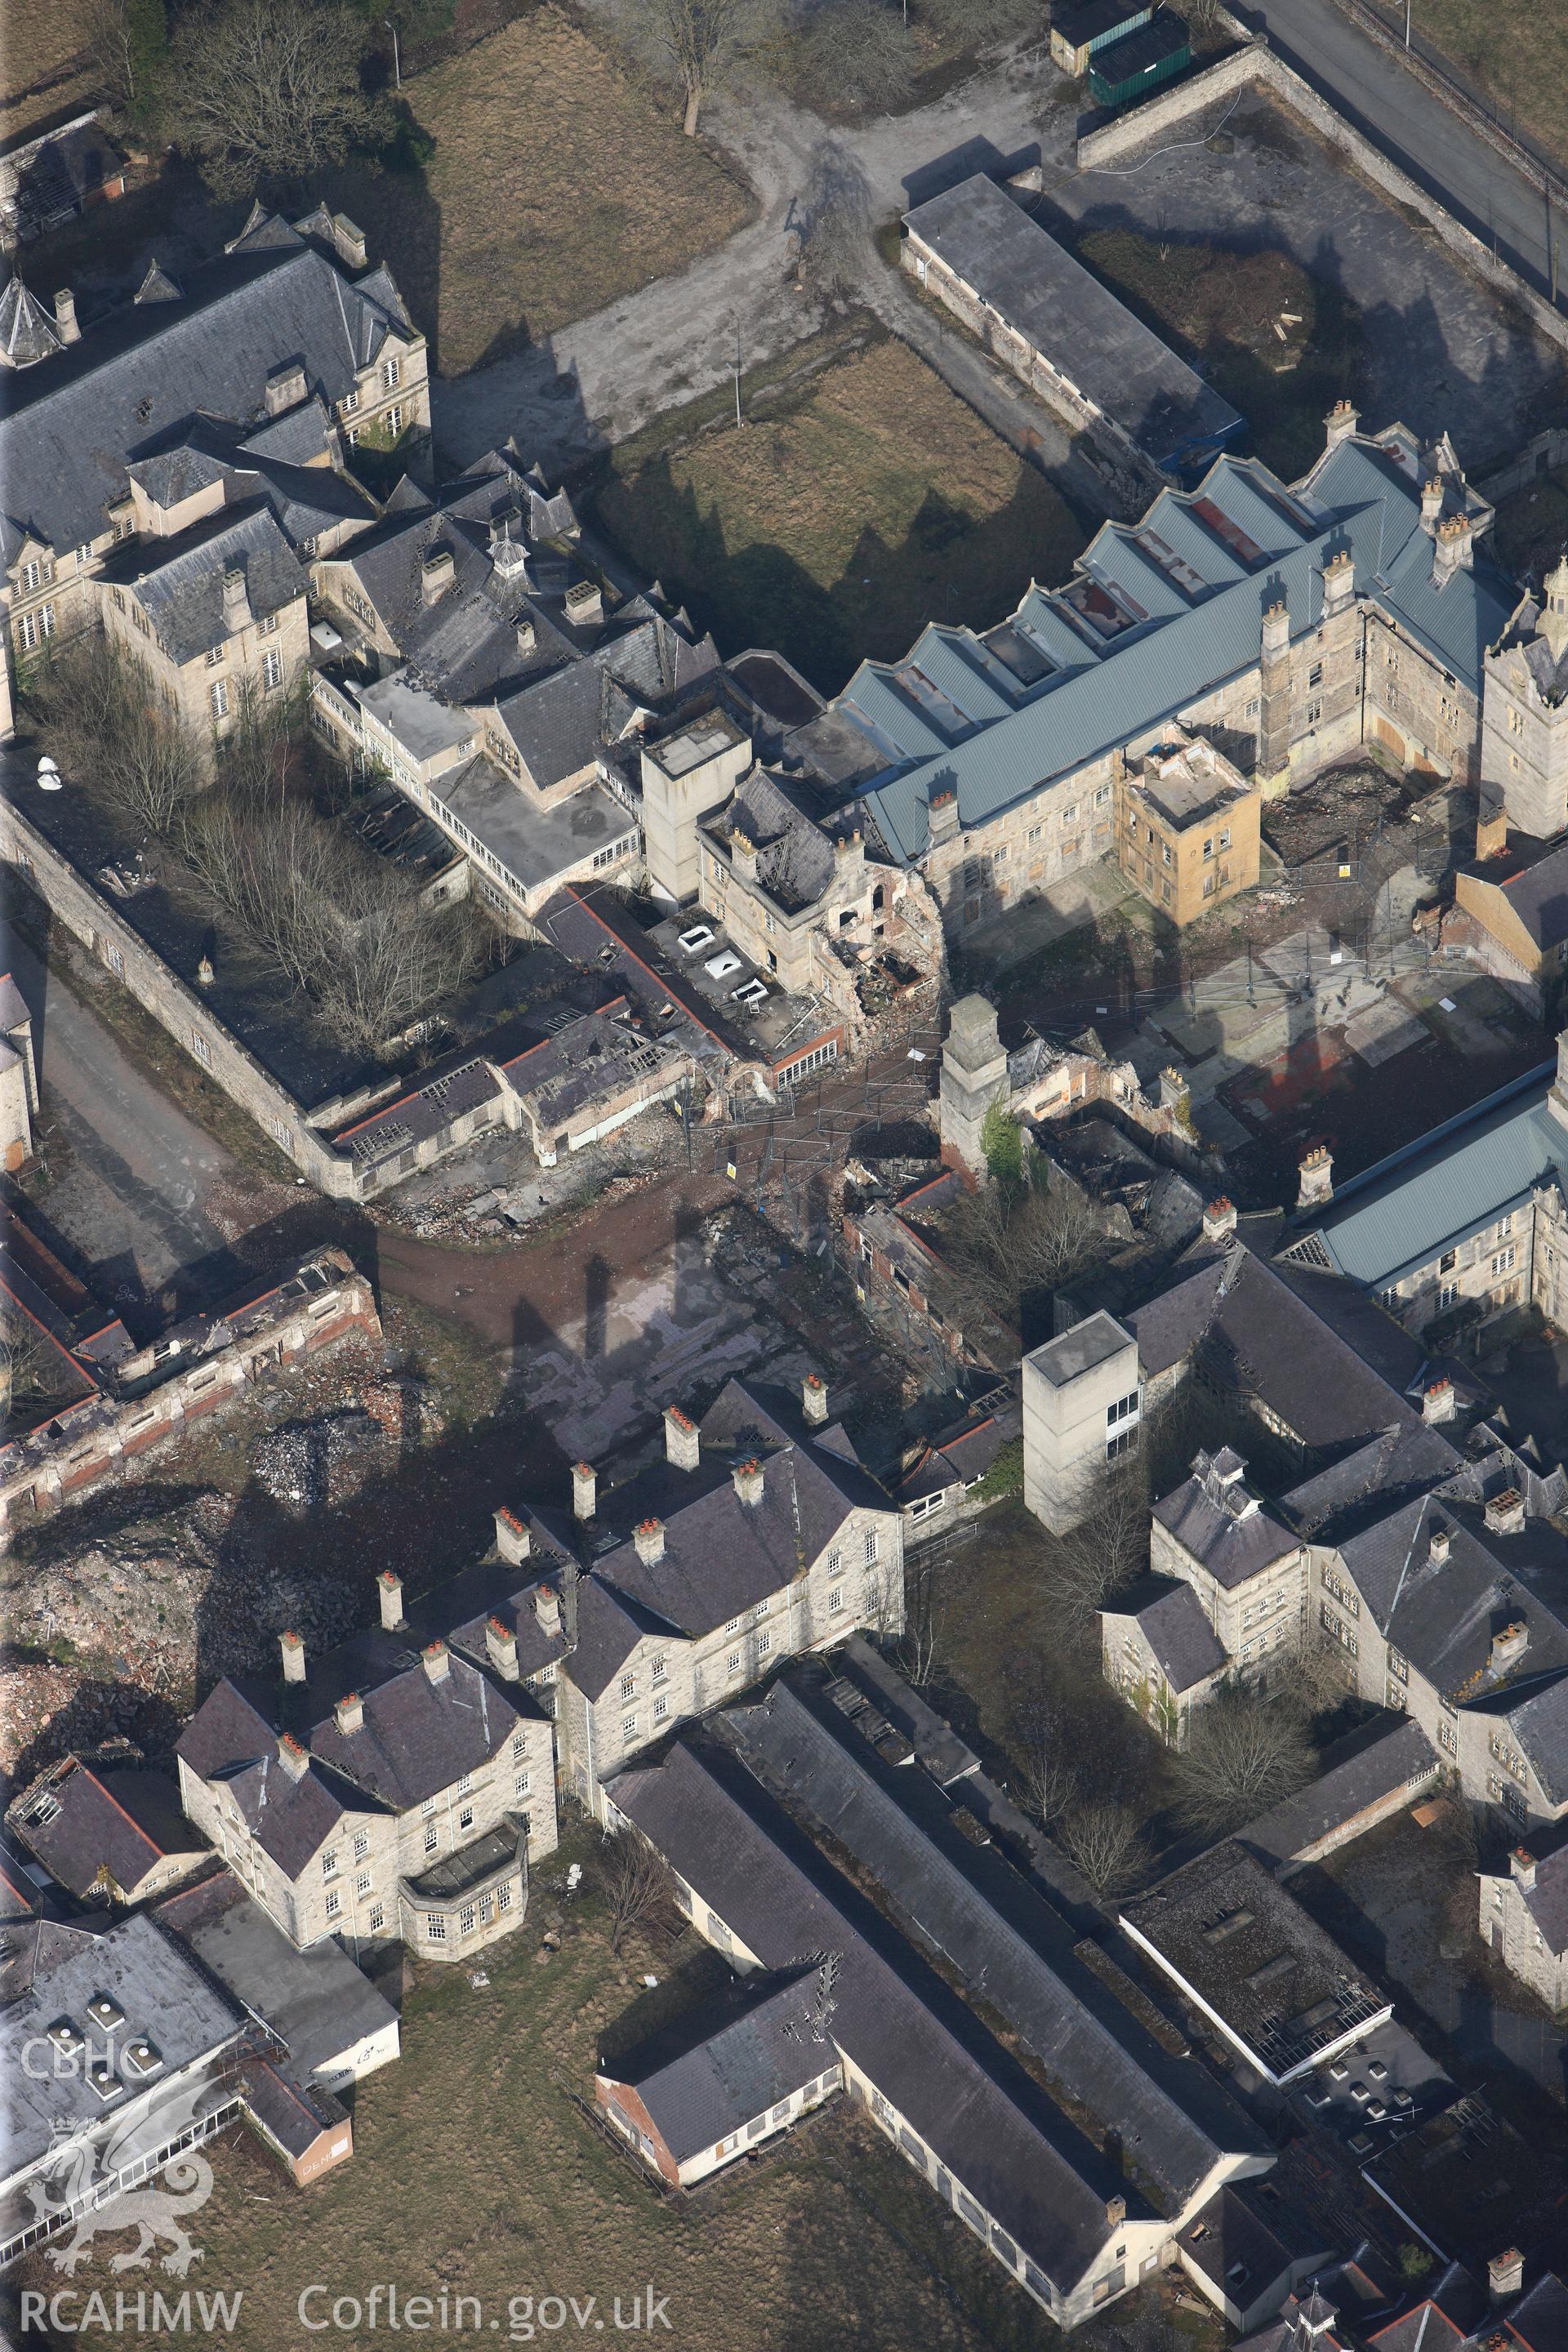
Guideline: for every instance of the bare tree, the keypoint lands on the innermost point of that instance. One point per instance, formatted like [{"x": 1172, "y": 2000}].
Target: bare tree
[
  {"x": 97, "y": 713},
  {"x": 128, "y": 41},
  {"x": 851, "y": 55},
  {"x": 1102, "y": 1837},
  {"x": 1107, "y": 1550},
  {"x": 268, "y": 89},
  {"x": 35, "y": 1376},
  {"x": 920, "y": 1645},
  {"x": 1045, "y": 1758},
  {"x": 702, "y": 41},
  {"x": 636, "y": 1886},
  {"x": 1247, "y": 1752},
  {"x": 1007, "y": 1241}
]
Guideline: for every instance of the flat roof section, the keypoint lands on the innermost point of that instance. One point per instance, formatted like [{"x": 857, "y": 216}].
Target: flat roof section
[
  {"x": 1084, "y": 1348},
  {"x": 1035, "y": 286}
]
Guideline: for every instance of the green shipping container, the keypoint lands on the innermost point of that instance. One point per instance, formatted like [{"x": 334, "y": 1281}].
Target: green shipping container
[{"x": 1126, "y": 70}]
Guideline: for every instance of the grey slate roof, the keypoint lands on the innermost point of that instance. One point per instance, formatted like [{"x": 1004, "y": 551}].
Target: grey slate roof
[
  {"x": 721, "y": 1556},
  {"x": 1214, "y": 1518},
  {"x": 1447, "y": 1186},
  {"x": 1443, "y": 1614},
  {"x": 74, "y": 422},
  {"x": 179, "y": 581},
  {"x": 1041, "y": 2178},
  {"x": 119, "y": 1822},
  {"x": 418, "y": 1736},
  {"x": 985, "y": 1921},
  {"x": 27, "y": 329},
  {"x": 1171, "y": 1618},
  {"x": 1190, "y": 583},
  {"x": 720, "y": 2067},
  {"x": 1305, "y": 1355},
  {"x": 1036, "y": 287},
  {"x": 1399, "y": 1757}
]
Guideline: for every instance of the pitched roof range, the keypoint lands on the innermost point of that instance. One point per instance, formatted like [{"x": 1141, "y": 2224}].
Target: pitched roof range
[
  {"x": 720, "y": 2066},
  {"x": 1039, "y": 2177},
  {"x": 1390, "y": 1766},
  {"x": 722, "y": 1552},
  {"x": 1445, "y": 1187},
  {"x": 1161, "y": 613},
  {"x": 180, "y": 582},
  {"x": 986, "y": 1922},
  {"x": 424, "y": 1721},
  {"x": 1322, "y": 1359},
  {"x": 72, "y": 425}
]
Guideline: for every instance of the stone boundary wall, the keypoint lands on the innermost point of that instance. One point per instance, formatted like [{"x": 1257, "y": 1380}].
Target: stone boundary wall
[
  {"x": 1179, "y": 104},
  {"x": 1451, "y": 93},
  {"x": 127, "y": 956}
]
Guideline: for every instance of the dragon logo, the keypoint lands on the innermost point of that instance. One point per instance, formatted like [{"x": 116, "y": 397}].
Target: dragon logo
[{"x": 82, "y": 2188}]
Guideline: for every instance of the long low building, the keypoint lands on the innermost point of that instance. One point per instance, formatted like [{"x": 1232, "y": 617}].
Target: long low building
[
  {"x": 1071, "y": 339},
  {"x": 1076, "y": 2149}
]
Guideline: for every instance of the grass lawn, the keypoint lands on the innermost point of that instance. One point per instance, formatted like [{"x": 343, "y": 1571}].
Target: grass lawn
[
  {"x": 556, "y": 186},
  {"x": 1277, "y": 343},
  {"x": 43, "y": 66},
  {"x": 862, "y": 499},
  {"x": 475, "y": 2174}
]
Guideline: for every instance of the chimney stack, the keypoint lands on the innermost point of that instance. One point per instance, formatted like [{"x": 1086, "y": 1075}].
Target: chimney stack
[
  {"x": 584, "y": 1490},
  {"x": 547, "y": 1610},
  {"x": 1505, "y": 2274},
  {"x": 511, "y": 1537},
  {"x": 437, "y": 574},
  {"x": 1340, "y": 422},
  {"x": 682, "y": 1447},
  {"x": 293, "y": 1650},
  {"x": 1339, "y": 583},
  {"x": 436, "y": 1661},
  {"x": 1492, "y": 828},
  {"x": 1431, "y": 503},
  {"x": 742, "y": 856},
  {"x": 292, "y": 1756},
  {"x": 941, "y": 817},
  {"x": 502, "y": 1644},
  {"x": 65, "y": 316},
  {"x": 349, "y": 1713},
  {"x": 349, "y": 241},
  {"x": 1521, "y": 1864},
  {"x": 236, "y": 601},
  {"x": 749, "y": 1482},
  {"x": 813, "y": 1400},
  {"x": 1438, "y": 1404},
  {"x": 389, "y": 1592},
  {"x": 1437, "y": 1548},
  {"x": 1115, "y": 2211},
  {"x": 1316, "y": 1176},
  {"x": 648, "y": 1538},
  {"x": 1453, "y": 549},
  {"x": 1509, "y": 1647},
  {"x": 1219, "y": 1219},
  {"x": 1504, "y": 1512}
]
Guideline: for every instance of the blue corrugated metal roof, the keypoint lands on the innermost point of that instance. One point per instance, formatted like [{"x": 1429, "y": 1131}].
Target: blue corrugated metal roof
[
  {"x": 964, "y": 684},
  {"x": 1365, "y": 502},
  {"x": 1447, "y": 1186}
]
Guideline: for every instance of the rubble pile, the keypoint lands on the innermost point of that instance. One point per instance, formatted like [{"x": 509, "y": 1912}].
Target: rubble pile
[{"x": 309, "y": 1465}]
